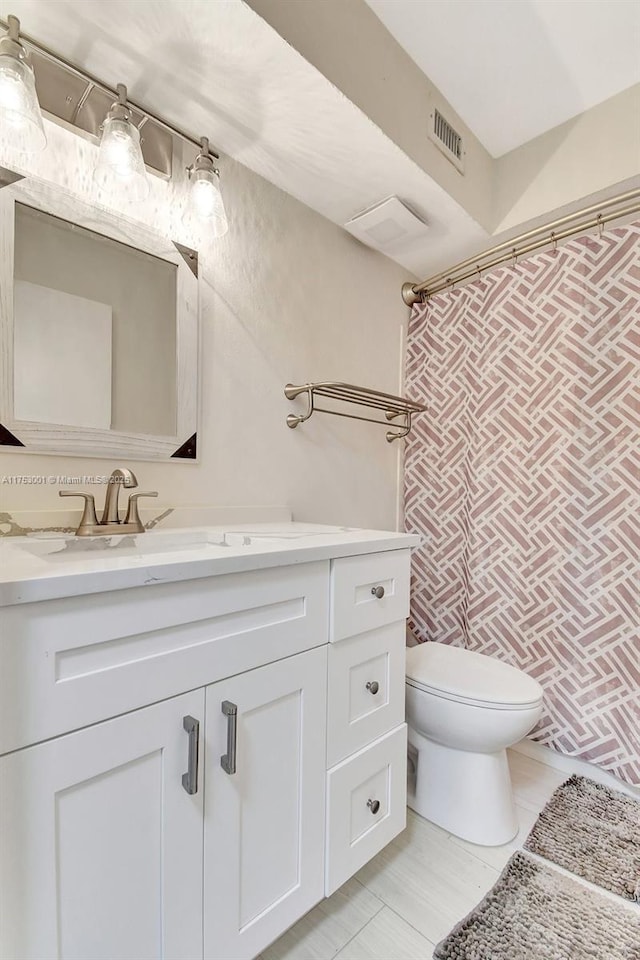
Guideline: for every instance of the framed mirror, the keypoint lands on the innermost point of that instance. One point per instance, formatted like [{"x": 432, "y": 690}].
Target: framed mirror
[{"x": 98, "y": 331}]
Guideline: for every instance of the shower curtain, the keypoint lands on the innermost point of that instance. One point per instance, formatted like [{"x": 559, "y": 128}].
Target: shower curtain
[{"x": 523, "y": 480}]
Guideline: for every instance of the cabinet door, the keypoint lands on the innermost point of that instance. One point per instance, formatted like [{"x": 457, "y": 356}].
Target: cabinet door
[
  {"x": 100, "y": 844},
  {"x": 264, "y": 823}
]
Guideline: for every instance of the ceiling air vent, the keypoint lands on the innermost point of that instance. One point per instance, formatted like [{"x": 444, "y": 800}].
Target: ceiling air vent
[{"x": 446, "y": 139}]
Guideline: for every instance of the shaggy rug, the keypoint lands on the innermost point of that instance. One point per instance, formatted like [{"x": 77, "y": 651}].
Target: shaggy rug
[
  {"x": 594, "y": 832},
  {"x": 536, "y": 913}
]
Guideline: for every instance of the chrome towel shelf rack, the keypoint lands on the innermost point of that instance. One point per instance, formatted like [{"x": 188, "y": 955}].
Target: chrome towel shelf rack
[{"x": 394, "y": 408}]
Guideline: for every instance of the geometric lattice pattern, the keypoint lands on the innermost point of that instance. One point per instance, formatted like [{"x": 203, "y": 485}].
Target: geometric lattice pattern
[{"x": 523, "y": 479}]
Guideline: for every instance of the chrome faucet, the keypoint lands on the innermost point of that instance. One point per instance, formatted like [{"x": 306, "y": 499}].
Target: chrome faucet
[{"x": 110, "y": 523}]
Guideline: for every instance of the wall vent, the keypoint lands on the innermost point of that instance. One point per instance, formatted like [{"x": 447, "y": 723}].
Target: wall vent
[{"x": 447, "y": 139}]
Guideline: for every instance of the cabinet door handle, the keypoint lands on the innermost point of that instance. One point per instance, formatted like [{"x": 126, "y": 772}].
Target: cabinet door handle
[
  {"x": 228, "y": 760},
  {"x": 373, "y": 687},
  {"x": 374, "y": 805},
  {"x": 190, "y": 778},
  {"x": 378, "y": 592}
]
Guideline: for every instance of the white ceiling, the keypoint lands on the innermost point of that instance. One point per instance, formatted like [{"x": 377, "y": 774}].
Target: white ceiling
[{"x": 513, "y": 69}]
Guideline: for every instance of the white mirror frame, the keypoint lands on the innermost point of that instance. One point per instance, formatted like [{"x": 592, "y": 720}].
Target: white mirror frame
[{"x": 51, "y": 438}]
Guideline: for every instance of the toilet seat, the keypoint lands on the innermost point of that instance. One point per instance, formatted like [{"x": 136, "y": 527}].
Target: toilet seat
[{"x": 453, "y": 673}]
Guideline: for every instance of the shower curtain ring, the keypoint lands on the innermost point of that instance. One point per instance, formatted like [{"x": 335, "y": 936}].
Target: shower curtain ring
[
  {"x": 479, "y": 272},
  {"x": 600, "y": 226},
  {"x": 554, "y": 244},
  {"x": 514, "y": 258}
]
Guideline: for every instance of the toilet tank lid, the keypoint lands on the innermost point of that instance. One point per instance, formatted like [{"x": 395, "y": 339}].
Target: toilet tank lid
[{"x": 470, "y": 676}]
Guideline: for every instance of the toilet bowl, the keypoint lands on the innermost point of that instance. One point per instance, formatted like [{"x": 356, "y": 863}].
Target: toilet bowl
[{"x": 463, "y": 710}]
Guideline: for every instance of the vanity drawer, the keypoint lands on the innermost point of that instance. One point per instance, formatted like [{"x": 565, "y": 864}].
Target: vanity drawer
[
  {"x": 366, "y": 689},
  {"x": 68, "y": 663},
  {"x": 372, "y": 780},
  {"x": 368, "y": 592}
]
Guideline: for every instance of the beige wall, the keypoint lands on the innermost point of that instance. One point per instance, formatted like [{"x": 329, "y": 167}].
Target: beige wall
[
  {"x": 592, "y": 152},
  {"x": 286, "y": 296}
]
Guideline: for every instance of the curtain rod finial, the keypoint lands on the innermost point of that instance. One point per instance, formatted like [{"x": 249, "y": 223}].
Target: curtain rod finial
[{"x": 409, "y": 294}]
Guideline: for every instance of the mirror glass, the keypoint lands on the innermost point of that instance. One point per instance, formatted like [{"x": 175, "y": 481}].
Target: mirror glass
[{"x": 100, "y": 332}]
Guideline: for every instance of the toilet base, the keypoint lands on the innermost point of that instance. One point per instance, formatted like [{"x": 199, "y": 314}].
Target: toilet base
[{"x": 467, "y": 794}]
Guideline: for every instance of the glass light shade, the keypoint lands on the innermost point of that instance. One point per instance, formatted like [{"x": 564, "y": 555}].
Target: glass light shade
[
  {"x": 120, "y": 168},
  {"x": 205, "y": 202},
  {"x": 21, "y": 126}
]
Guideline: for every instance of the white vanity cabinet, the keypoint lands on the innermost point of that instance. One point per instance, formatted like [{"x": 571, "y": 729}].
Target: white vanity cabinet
[
  {"x": 186, "y": 768},
  {"x": 100, "y": 845}
]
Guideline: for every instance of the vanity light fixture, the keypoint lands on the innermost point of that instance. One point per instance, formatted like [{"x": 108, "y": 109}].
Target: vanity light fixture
[
  {"x": 120, "y": 168},
  {"x": 20, "y": 115},
  {"x": 205, "y": 199},
  {"x": 80, "y": 101}
]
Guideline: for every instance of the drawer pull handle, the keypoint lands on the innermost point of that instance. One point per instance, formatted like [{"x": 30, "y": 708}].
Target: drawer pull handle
[
  {"x": 373, "y": 686},
  {"x": 378, "y": 592},
  {"x": 228, "y": 760},
  {"x": 190, "y": 778},
  {"x": 374, "y": 805}
]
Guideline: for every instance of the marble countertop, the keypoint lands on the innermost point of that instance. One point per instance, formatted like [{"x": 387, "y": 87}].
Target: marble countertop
[{"x": 46, "y": 566}]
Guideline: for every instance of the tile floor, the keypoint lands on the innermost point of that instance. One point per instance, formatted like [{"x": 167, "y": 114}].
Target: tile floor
[{"x": 410, "y": 896}]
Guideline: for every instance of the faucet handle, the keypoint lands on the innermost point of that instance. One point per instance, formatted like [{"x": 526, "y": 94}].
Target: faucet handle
[
  {"x": 88, "y": 518},
  {"x": 132, "y": 508}
]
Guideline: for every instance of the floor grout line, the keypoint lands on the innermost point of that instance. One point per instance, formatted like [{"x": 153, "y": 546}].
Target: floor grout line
[
  {"x": 409, "y": 924},
  {"x": 384, "y": 906},
  {"x": 372, "y": 894},
  {"x": 389, "y": 907},
  {"x": 363, "y": 927},
  {"x": 491, "y": 866},
  {"x": 367, "y": 922},
  {"x": 494, "y": 870}
]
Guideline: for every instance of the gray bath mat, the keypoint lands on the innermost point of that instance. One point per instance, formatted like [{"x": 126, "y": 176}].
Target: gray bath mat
[
  {"x": 594, "y": 832},
  {"x": 537, "y": 913}
]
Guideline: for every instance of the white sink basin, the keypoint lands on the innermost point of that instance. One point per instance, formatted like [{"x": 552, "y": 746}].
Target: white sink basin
[{"x": 61, "y": 547}]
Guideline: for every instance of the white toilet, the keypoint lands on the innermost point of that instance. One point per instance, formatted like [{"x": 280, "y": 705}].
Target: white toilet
[{"x": 463, "y": 710}]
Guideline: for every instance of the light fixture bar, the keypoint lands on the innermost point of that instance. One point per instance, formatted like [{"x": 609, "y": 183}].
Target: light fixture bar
[{"x": 94, "y": 83}]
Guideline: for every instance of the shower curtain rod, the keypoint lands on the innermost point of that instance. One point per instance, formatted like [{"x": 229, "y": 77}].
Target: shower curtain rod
[{"x": 516, "y": 247}]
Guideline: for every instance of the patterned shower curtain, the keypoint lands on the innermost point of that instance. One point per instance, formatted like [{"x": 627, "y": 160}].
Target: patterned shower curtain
[{"x": 523, "y": 479}]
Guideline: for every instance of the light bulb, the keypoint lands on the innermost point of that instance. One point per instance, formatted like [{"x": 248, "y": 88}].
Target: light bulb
[
  {"x": 120, "y": 169},
  {"x": 21, "y": 126},
  {"x": 205, "y": 202}
]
